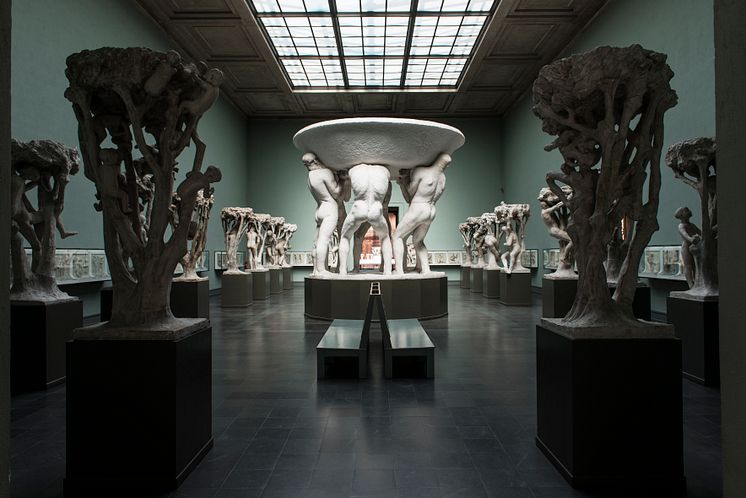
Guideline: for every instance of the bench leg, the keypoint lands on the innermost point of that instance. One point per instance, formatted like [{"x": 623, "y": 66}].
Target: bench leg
[
  {"x": 362, "y": 365},
  {"x": 430, "y": 364},
  {"x": 320, "y": 365}
]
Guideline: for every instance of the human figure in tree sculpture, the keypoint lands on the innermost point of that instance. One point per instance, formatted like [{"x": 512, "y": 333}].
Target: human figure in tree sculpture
[
  {"x": 478, "y": 240},
  {"x": 236, "y": 222},
  {"x": 46, "y": 166},
  {"x": 252, "y": 244},
  {"x": 691, "y": 246},
  {"x": 283, "y": 243},
  {"x": 693, "y": 162},
  {"x": 489, "y": 239},
  {"x": 197, "y": 232},
  {"x": 467, "y": 234},
  {"x": 516, "y": 217},
  {"x": 511, "y": 257},
  {"x": 556, "y": 217},
  {"x": 606, "y": 108},
  {"x": 421, "y": 188},
  {"x": 326, "y": 191}
]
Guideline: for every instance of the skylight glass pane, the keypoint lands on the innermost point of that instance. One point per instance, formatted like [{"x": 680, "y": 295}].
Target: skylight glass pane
[
  {"x": 317, "y": 5},
  {"x": 373, "y": 5},
  {"x": 455, "y": 5},
  {"x": 266, "y": 6},
  {"x": 480, "y": 5},
  {"x": 429, "y": 5},
  {"x": 398, "y": 5},
  {"x": 292, "y": 5}
]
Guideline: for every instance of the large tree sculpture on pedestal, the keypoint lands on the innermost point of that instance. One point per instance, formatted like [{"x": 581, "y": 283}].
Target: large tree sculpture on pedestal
[
  {"x": 606, "y": 108},
  {"x": 236, "y": 221},
  {"x": 119, "y": 95}
]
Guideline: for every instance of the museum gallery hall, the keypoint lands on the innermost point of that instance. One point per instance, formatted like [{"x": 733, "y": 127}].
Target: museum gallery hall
[{"x": 372, "y": 248}]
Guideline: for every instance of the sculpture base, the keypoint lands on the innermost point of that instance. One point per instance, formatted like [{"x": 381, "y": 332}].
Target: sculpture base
[
  {"x": 491, "y": 283},
  {"x": 260, "y": 284},
  {"x": 38, "y": 333},
  {"x": 275, "y": 280},
  {"x": 604, "y": 421},
  {"x": 557, "y": 296},
  {"x": 476, "y": 279},
  {"x": 190, "y": 298},
  {"x": 287, "y": 278},
  {"x": 410, "y": 297},
  {"x": 465, "y": 277},
  {"x": 641, "y": 301},
  {"x": 105, "y": 302},
  {"x": 515, "y": 288},
  {"x": 237, "y": 290},
  {"x": 697, "y": 325},
  {"x": 139, "y": 413}
]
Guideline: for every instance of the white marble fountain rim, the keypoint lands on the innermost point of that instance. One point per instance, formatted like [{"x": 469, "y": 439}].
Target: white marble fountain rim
[{"x": 406, "y": 156}]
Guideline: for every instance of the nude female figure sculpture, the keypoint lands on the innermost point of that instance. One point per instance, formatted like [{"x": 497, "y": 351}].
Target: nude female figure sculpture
[{"x": 691, "y": 237}]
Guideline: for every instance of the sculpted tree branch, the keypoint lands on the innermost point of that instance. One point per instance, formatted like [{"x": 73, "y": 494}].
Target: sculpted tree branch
[{"x": 122, "y": 94}]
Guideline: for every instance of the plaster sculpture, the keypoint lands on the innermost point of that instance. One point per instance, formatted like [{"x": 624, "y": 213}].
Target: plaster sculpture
[
  {"x": 616, "y": 252},
  {"x": 45, "y": 166},
  {"x": 513, "y": 219},
  {"x": 693, "y": 162},
  {"x": 477, "y": 240},
  {"x": 466, "y": 230},
  {"x": 325, "y": 188},
  {"x": 262, "y": 223},
  {"x": 253, "y": 241},
  {"x": 332, "y": 257},
  {"x": 121, "y": 94},
  {"x": 556, "y": 216},
  {"x": 236, "y": 222},
  {"x": 411, "y": 256},
  {"x": 283, "y": 244},
  {"x": 421, "y": 188},
  {"x": 370, "y": 184},
  {"x": 606, "y": 109},
  {"x": 197, "y": 232},
  {"x": 489, "y": 237},
  {"x": 272, "y": 236}
]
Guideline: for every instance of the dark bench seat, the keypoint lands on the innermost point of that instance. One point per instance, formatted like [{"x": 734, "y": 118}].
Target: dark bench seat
[
  {"x": 343, "y": 340},
  {"x": 407, "y": 340}
]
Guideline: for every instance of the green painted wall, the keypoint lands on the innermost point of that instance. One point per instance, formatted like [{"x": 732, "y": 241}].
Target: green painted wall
[
  {"x": 44, "y": 33},
  {"x": 683, "y": 29},
  {"x": 278, "y": 180}
]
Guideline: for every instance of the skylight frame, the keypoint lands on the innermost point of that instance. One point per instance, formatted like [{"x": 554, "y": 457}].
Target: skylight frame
[{"x": 439, "y": 65}]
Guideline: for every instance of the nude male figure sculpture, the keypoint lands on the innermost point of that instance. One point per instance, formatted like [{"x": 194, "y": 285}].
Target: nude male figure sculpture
[
  {"x": 326, "y": 191},
  {"x": 421, "y": 188},
  {"x": 691, "y": 237},
  {"x": 370, "y": 183}
]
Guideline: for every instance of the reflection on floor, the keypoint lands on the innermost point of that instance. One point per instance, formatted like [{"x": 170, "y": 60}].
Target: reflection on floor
[{"x": 470, "y": 432}]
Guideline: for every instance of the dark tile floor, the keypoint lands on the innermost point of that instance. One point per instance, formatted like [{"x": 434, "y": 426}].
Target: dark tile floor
[{"x": 279, "y": 432}]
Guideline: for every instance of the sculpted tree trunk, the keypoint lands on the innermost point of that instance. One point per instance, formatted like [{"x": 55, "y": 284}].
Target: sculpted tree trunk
[
  {"x": 119, "y": 95},
  {"x": 606, "y": 106},
  {"x": 235, "y": 225}
]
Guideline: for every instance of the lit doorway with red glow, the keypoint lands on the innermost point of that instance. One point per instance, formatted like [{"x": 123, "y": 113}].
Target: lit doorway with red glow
[{"x": 370, "y": 257}]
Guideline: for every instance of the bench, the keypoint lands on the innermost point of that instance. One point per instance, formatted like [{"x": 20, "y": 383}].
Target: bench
[
  {"x": 345, "y": 341},
  {"x": 406, "y": 340}
]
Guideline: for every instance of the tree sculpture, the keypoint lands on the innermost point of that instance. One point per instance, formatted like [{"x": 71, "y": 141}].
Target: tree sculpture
[
  {"x": 466, "y": 230},
  {"x": 197, "y": 232},
  {"x": 556, "y": 216},
  {"x": 513, "y": 219},
  {"x": 121, "y": 94},
  {"x": 693, "y": 162},
  {"x": 262, "y": 224},
  {"x": 46, "y": 166},
  {"x": 236, "y": 222},
  {"x": 283, "y": 243},
  {"x": 606, "y": 106},
  {"x": 489, "y": 235},
  {"x": 272, "y": 238}
]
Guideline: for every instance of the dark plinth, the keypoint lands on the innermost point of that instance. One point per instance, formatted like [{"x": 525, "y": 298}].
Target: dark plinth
[
  {"x": 515, "y": 288},
  {"x": 287, "y": 277},
  {"x": 641, "y": 302},
  {"x": 190, "y": 299},
  {"x": 237, "y": 290},
  {"x": 697, "y": 325},
  {"x": 275, "y": 280},
  {"x": 609, "y": 411},
  {"x": 261, "y": 284},
  {"x": 38, "y": 333},
  {"x": 465, "y": 277},
  {"x": 105, "y": 303},
  {"x": 476, "y": 279},
  {"x": 139, "y": 413},
  {"x": 491, "y": 283},
  {"x": 557, "y": 296},
  {"x": 330, "y": 299}
]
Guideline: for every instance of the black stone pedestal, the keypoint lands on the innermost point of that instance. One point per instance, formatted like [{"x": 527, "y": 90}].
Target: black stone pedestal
[
  {"x": 609, "y": 412},
  {"x": 465, "y": 277},
  {"x": 275, "y": 281},
  {"x": 641, "y": 301},
  {"x": 491, "y": 283},
  {"x": 515, "y": 288},
  {"x": 287, "y": 278},
  {"x": 139, "y": 413},
  {"x": 38, "y": 333},
  {"x": 697, "y": 325},
  {"x": 557, "y": 296},
  {"x": 105, "y": 302},
  {"x": 190, "y": 298},
  {"x": 261, "y": 284},
  {"x": 476, "y": 279},
  {"x": 237, "y": 290}
]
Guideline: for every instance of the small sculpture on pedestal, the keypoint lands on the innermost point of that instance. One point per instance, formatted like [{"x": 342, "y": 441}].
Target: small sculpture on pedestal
[
  {"x": 467, "y": 230},
  {"x": 197, "y": 232},
  {"x": 253, "y": 241},
  {"x": 693, "y": 162},
  {"x": 272, "y": 238},
  {"x": 556, "y": 216},
  {"x": 46, "y": 166},
  {"x": 490, "y": 239},
  {"x": 262, "y": 223},
  {"x": 236, "y": 222},
  {"x": 283, "y": 244},
  {"x": 118, "y": 95},
  {"x": 513, "y": 219}
]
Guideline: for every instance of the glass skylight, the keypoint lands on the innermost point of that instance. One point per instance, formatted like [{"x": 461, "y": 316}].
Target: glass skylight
[{"x": 348, "y": 44}]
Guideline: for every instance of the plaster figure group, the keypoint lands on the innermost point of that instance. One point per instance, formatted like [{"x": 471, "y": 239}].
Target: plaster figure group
[{"x": 267, "y": 238}]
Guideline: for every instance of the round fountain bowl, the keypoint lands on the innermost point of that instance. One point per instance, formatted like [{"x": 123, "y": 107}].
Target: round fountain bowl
[{"x": 393, "y": 142}]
